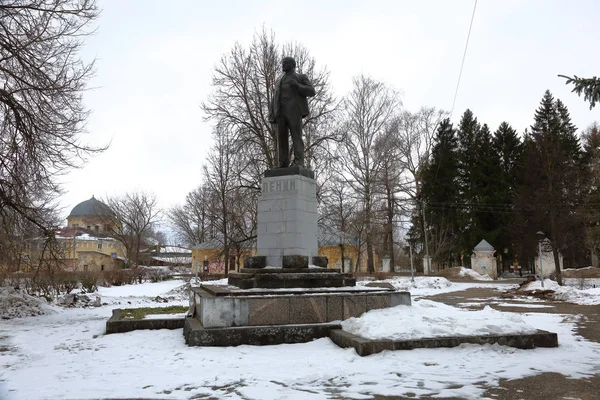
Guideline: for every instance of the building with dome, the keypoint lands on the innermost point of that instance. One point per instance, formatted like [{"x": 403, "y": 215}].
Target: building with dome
[
  {"x": 92, "y": 215},
  {"x": 85, "y": 241}
]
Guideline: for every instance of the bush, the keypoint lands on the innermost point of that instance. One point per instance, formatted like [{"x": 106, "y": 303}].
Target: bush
[
  {"x": 89, "y": 281},
  {"x": 119, "y": 277},
  {"x": 158, "y": 274},
  {"x": 64, "y": 282}
]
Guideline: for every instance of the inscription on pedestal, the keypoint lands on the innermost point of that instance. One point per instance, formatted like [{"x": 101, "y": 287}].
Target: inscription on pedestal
[
  {"x": 287, "y": 219},
  {"x": 285, "y": 185}
]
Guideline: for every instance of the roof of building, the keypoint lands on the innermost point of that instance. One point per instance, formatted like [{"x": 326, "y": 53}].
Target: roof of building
[
  {"x": 81, "y": 234},
  {"x": 90, "y": 208},
  {"x": 484, "y": 246}
]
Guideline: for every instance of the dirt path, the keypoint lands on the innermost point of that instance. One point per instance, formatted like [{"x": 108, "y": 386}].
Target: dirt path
[{"x": 546, "y": 386}]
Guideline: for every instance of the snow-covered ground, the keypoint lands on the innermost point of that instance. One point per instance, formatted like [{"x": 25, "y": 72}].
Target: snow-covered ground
[
  {"x": 431, "y": 285},
  {"x": 428, "y": 319},
  {"x": 66, "y": 355},
  {"x": 567, "y": 293}
]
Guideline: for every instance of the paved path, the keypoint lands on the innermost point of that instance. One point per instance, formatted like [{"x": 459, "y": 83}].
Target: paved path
[{"x": 546, "y": 386}]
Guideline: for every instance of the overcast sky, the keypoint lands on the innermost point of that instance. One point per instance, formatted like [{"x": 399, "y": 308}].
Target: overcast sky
[{"x": 155, "y": 61}]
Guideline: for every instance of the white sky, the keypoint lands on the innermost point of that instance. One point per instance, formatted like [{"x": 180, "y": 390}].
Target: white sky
[{"x": 155, "y": 62}]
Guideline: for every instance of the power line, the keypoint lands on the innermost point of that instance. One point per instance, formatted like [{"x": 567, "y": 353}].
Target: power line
[{"x": 463, "y": 59}]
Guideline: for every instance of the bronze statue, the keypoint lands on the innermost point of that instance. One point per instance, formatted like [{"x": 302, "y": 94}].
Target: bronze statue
[{"x": 288, "y": 107}]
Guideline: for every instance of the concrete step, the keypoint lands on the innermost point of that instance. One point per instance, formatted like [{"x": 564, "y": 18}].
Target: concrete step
[{"x": 196, "y": 335}]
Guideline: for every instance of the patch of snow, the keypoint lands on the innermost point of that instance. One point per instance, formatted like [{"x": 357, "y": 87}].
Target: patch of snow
[
  {"x": 549, "y": 284},
  {"x": 467, "y": 272},
  {"x": 429, "y": 319},
  {"x": 165, "y": 316},
  {"x": 145, "y": 289},
  {"x": 567, "y": 293},
  {"x": 432, "y": 285},
  {"x": 218, "y": 282},
  {"x": 587, "y": 297},
  {"x": 18, "y": 304},
  {"x": 525, "y": 305}
]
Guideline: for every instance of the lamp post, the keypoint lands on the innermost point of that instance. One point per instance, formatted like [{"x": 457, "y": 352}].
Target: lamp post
[{"x": 540, "y": 236}]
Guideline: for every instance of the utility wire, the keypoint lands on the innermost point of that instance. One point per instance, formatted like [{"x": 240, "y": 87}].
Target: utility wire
[{"x": 463, "y": 59}]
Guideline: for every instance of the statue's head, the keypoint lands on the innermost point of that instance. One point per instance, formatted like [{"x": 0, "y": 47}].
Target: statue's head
[{"x": 288, "y": 64}]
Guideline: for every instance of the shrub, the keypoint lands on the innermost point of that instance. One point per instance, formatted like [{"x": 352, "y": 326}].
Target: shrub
[
  {"x": 89, "y": 281},
  {"x": 158, "y": 274},
  {"x": 119, "y": 277}
]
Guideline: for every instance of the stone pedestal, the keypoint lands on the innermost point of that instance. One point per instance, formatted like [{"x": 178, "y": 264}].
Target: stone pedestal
[
  {"x": 287, "y": 218},
  {"x": 228, "y": 316}
]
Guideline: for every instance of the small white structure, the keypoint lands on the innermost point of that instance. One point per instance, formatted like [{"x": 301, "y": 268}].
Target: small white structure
[
  {"x": 483, "y": 261},
  {"x": 548, "y": 264},
  {"x": 385, "y": 264}
]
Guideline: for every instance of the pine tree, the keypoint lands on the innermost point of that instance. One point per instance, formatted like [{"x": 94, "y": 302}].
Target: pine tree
[
  {"x": 555, "y": 181},
  {"x": 440, "y": 193},
  {"x": 469, "y": 141},
  {"x": 507, "y": 151},
  {"x": 591, "y": 139}
]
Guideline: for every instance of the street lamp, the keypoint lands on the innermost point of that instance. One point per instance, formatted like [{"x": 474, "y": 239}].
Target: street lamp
[{"x": 540, "y": 236}]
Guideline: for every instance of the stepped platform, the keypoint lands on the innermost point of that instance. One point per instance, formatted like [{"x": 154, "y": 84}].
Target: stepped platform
[
  {"x": 273, "y": 278},
  {"x": 228, "y": 314}
]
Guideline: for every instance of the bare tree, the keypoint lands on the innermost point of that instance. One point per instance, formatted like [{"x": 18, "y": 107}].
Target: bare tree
[
  {"x": 192, "y": 222},
  {"x": 415, "y": 133},
  {"x": 220, "y": 172},
  {"x": 368, "y": 111},
  {"x": 134, "y": 215},
  {"x": 337, "y": 211},
  {"x": 242, "y": 90},
  {"x": 387, "y": 186},
  {"x": 42, "y": 114}
]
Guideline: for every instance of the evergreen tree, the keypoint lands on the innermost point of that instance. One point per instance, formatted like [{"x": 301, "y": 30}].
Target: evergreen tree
[
  {"x": 555, "y": 179},
  {"x": 591, "y": 139},
  {"x": 507, "y": 158},
  {"x": 590, "y": 87},
  {"x": 440, "y": 193},
  {"x": 486, "y": 187},
  {"x": 469, "y": 143}
]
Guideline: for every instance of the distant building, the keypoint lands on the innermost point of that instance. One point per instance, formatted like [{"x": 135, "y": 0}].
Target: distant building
[
  {"x": 167, "y": 255},
  {"x": 91, "y": 215},
  {"x": 331, "y": 244},
  {"x": 483, "y": 261},
  {"x": 208, "y": 256},
  {"x": 85, "y": 243}
]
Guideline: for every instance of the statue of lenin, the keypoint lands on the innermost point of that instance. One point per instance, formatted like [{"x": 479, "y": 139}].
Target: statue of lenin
[{"x": 288, "y": 107}]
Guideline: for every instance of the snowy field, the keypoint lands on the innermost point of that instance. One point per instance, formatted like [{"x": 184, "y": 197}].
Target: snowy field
[{"x": 66, "y": 355}]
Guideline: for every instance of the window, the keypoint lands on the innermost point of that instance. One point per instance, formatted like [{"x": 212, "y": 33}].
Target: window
[
  {"x": 89, "y": 227},
  {"x": 102, "y": 267},
  {"x": 97, "y": 228},
  {"x": 99, "y": 245}
]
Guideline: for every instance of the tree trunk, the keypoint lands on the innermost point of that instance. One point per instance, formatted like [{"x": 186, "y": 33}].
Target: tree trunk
[{"x": 556, "y": 255}]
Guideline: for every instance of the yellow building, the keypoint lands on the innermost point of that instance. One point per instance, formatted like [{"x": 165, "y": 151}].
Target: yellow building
[
  {"x": 333, "y": 242},
  {"x": 208, "y": 256},
  {"x": 84, "y": 244}
]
